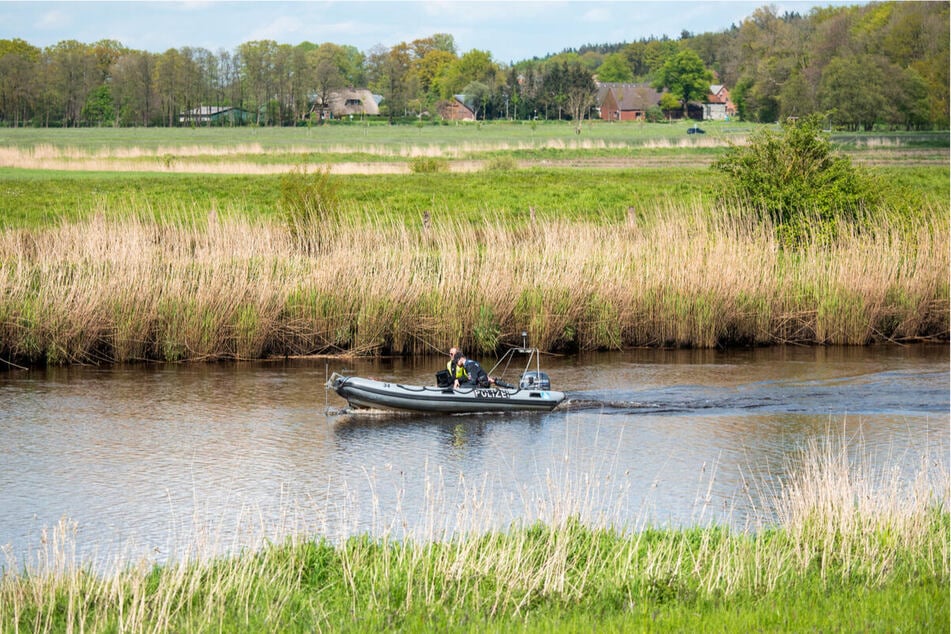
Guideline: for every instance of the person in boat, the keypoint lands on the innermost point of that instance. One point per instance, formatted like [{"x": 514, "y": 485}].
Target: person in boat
[
  {"x": 457, "y": 370},
  {"x": 446, "y": 378},
  {"x": 473, "y": 374}
]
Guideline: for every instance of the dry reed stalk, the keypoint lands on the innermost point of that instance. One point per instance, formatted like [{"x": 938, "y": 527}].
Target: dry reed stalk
[
  {"x": 849, "y": 518},
  {"x": 223, "y": 287},
  {"x": 187, "y": 158}
]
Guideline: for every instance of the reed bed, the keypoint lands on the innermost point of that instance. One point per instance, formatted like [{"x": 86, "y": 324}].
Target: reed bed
[
  {"x": 846, "y": 536},
  {"x": 227, "y": 287},
  {"x": 12, "y": 156},
  {"x": 253, "y": 158}
]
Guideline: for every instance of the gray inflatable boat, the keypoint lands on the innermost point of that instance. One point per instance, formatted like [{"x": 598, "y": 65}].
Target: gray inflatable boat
[
  {"x": 369, "y": 394},
  {"x": 533, "y": 393}
]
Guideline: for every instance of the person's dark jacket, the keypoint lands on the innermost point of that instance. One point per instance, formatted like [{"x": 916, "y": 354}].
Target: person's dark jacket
[{"x": 477, "y": 376}]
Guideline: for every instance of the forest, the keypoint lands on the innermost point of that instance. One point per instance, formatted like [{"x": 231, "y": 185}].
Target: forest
[{"x": 877, "y": 64}]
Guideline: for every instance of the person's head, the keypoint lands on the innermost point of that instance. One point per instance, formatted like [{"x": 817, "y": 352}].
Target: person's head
[
  {"x": 453, "y": 352},
  {"x": 461, "y": 360}
]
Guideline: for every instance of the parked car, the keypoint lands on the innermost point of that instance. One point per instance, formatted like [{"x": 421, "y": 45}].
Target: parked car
[{"x": 695, "y": 130}]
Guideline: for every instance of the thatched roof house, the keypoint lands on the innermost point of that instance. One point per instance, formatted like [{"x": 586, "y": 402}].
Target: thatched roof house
[{"x": 351, "y": 101}]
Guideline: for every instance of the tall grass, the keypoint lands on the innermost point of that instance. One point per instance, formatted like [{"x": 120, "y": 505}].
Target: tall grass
[
  {"x": 134, "y": 288},
  {"x": 846, "y": 536}
]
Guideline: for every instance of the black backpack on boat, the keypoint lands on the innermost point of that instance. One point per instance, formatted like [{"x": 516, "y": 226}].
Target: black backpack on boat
[{"x": 443, "y": 378}]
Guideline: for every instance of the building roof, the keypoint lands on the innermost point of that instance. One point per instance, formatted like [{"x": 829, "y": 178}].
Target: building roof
[
  {"x": 639, "y": 96},
  {"x": 354, "y": 101},
  {"x": 208, "y": 111}
]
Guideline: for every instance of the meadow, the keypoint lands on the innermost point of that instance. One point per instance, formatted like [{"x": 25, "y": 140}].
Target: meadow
[
  {"x": 569, "y": 242},
  {"x": 852, "y": 548}
]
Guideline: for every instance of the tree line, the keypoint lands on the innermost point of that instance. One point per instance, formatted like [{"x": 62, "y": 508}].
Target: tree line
[{"x": 875, "y": 64}]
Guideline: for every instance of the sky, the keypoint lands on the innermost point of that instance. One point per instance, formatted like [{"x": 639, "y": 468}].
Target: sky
[{"x": 511, "y": 31}]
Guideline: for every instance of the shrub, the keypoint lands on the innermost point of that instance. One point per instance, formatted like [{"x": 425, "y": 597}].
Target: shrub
[
  {"x": 501, "y": 164},
  {"x": 428, "y": 165},
  {"x": 307, "y": 198},
  {"x": 796, "y": 179}
]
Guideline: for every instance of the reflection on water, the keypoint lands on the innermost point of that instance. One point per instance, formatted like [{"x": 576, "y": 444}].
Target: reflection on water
[{"x": 157, "y": 461}]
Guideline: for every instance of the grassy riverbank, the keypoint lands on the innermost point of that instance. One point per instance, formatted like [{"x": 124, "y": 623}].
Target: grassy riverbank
[
  {"x": 851, "y": 549},
  {"x": 224, "y": 286},
  {"x": 118, "y": 266}
]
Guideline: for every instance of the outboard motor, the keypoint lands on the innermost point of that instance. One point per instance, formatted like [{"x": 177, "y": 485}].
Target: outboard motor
[{"x": 533, "y": 380}]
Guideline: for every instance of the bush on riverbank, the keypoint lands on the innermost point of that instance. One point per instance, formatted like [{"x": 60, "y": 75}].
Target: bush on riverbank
[
  {"x": 799, "y": 182},
  {"x": 853, "y": 549}
]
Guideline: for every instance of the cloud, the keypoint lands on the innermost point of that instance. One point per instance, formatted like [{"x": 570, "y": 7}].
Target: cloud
[
  {"x": 278, "y": 29},
  {"x": 54, "y": 19},
  {"x": 597, "y": 15}
]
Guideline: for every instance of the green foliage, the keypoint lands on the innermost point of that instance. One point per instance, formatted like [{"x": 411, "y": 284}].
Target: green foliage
[
  {"x": 568, "y": 578},
  {"x": 686, "y": 77},
  {"x": 797, "y": 180},
  {"x": 428, "y": 165},
  {"x": 307, "y": 197},
  {"x": 615, "y": 68},
  {"x": 486, "y": 331},
  {"x": 501, "y": 164},
  {"x": 98, "y": 109}
]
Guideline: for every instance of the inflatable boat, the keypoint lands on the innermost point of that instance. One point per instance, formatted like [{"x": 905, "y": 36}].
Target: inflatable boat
[{"x": 533, "y": 393}]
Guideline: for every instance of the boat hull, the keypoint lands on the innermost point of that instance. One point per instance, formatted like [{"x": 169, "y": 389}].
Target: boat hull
[{"x": 369, "y": 394}]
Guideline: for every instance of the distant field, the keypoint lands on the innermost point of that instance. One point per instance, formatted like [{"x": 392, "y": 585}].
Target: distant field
[
  {"x": 497, "y": 170},
  {"x": 395, "y": 139},
  {"x": 379, "y": 149}
]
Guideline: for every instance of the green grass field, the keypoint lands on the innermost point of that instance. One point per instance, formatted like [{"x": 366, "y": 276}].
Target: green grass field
[{"x": 32, "y": 198}]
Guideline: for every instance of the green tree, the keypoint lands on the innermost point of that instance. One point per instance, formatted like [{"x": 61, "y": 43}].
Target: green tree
[
  {"x": 615, "y": 68},
  {"x": 669, "y": 103},
  {"x": 796, "y": 98},
  {"x": 429, "y": 68},
  {"x": 257, "y": 74},
  {"x": 908, "y": 98},
  {"x": 476, "y": 96},
  {"x": 18, "y": 85},
  {"x": 580, "y": 93},
  {"x": 72, "y": 75},
  {"x": 98, "y": 109},
  {"x": 686, "y": 77},
  {"x": 389, "y": 72},
  {"x": 326, "y": 68},
  {"x": 131, "y": 87},
  {"x": 853, "y": 90},
  {"x": 473, "y": 66}
]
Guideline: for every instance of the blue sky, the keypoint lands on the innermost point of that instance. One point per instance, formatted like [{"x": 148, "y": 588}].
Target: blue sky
[{"x": 511, "y": 31}]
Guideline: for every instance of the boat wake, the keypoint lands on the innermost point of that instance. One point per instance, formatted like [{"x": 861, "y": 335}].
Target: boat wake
[{"x": 578, "y": 404}]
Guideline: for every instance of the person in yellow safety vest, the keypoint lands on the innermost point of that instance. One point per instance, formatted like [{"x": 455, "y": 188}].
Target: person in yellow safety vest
[
  {"x": 445, "y": 378},
  {"x": 456, "y": 371}
]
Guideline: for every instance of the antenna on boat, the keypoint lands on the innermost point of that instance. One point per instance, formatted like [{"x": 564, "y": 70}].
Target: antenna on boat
[
  {"x": 326, "y": 388},
  {"x": 524, "y": 339}
]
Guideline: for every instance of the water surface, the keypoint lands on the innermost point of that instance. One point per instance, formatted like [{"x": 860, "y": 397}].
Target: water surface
[{"x": 165, "y": 460}]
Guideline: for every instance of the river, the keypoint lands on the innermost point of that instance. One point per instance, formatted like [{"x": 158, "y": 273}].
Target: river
[{"x": 120, "y": 464}]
